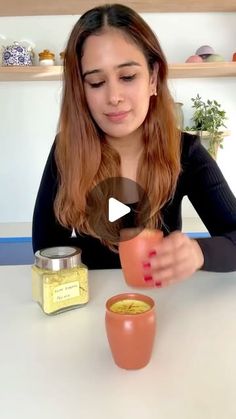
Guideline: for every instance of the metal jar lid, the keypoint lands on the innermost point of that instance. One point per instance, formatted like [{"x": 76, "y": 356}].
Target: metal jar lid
[{"x": 56, "y": 258}]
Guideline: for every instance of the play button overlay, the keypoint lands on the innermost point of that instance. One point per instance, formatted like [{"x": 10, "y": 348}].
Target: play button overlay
[
  {"x": 115, "y": 204},
  {"x": 116, "y": 209}
]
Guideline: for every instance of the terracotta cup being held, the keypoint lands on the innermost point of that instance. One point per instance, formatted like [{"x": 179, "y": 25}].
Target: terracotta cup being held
[
  {"x": 133, "y": 252},
  {"x": 130, "y": 326}
]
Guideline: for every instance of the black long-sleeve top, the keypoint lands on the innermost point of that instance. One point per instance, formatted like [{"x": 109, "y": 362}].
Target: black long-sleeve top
[{"x": 200, "y": 180}]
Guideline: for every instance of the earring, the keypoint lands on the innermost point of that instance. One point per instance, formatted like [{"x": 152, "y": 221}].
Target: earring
[{"x": 154, "y": 93}]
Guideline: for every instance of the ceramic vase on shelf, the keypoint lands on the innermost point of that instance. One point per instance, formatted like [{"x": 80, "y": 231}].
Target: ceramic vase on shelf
[
  {"x": 46, "y": 57},
  {"x": 17, "y": 54},
  {"x": 179, "y": 115}
]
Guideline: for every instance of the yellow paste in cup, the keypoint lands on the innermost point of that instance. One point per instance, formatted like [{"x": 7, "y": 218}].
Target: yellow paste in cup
[{"x": 130, "y": 306}]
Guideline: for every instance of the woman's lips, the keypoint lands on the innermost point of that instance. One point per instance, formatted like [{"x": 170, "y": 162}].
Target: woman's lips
[{"x": 117, "y": 116}]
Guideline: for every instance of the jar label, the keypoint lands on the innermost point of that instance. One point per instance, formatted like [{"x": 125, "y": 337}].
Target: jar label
[{"x": 66, "y": 291}]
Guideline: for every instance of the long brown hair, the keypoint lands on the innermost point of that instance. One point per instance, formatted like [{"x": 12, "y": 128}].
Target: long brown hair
[{"x": 83, "y": 156}]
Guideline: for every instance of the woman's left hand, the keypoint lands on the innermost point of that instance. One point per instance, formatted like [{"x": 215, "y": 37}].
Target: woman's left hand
[{"x": 174, "y": 258}]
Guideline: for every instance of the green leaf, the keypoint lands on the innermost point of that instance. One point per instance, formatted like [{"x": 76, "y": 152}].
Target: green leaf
[{"x": 208, "y": 116}]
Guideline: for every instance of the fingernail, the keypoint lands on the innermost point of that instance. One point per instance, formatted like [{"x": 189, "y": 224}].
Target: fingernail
[
  {"x": 147, "y": 278},
  {"x": 146, "y": 265},
  {"x": 158, "y": 283},
  {"x": 152, "y": 253}
]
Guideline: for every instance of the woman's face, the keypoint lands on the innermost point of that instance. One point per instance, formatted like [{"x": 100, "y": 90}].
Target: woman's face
[{"x": 117, "y": 82}]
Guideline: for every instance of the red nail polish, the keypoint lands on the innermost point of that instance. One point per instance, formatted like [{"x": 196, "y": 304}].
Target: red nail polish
[
  {"x": 158, "y": 283},
  {"x": 152, "y": 253},
  {"x": 146, "y": 265},
  {"x": 147, "y": 278}
]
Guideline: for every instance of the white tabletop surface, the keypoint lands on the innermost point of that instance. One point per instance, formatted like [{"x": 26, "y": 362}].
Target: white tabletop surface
[{"x": 61, "y": 366}]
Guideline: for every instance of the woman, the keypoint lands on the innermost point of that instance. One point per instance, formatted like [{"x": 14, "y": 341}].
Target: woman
[{"x": 117, "y": 120}]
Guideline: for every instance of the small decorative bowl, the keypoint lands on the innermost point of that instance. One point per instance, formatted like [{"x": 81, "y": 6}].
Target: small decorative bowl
[{"x": 205, "y": 51}]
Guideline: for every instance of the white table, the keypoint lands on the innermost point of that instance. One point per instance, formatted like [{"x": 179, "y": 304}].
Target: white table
[{"x": 61, "y": 366}]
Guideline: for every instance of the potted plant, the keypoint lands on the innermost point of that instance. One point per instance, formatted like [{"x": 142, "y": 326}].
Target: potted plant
[{"x": 208, "y": 120}]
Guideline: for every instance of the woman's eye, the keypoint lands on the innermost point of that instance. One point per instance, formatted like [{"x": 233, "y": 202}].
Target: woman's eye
[
  {"x": 96, "y": 85},
  {"x": 128, "y": 78}
]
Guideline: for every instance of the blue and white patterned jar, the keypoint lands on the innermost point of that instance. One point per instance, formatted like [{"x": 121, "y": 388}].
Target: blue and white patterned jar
[{"x": 17, "y": 54}]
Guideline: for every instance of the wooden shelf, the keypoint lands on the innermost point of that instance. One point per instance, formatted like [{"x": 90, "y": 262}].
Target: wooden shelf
[
  {"x": 31, "y": 73},
  {"x": 195, "y": 70},
  {"x": 185, "y": 70},
  {"x": 74, "y": 7}
]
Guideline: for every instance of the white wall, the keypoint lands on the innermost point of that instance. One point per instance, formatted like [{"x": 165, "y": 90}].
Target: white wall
[{"x": 29, "y": 110}]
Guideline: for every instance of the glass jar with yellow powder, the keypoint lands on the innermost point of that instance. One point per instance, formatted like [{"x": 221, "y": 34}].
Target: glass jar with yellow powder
[{"x": 59, "y": 279}]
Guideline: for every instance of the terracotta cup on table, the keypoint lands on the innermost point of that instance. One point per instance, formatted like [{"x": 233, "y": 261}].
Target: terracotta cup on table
[
  {"x": 134, "y": 251},
  {"x": 130, "y": 326}
]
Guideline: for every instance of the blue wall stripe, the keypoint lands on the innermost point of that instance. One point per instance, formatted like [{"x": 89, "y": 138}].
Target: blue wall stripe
[
  {"x": 18, "y": 250},
  {"x": 15, "y": 239},
  {"x": 29, "y": 239},
  {"x": 198, "y": 235}
]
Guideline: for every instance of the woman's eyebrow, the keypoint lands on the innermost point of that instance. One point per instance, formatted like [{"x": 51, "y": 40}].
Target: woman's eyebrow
[{"x": 126, "y": 64}]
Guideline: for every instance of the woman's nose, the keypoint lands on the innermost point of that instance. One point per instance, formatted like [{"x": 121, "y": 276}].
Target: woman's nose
[{"x": 114, "y": 94}]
